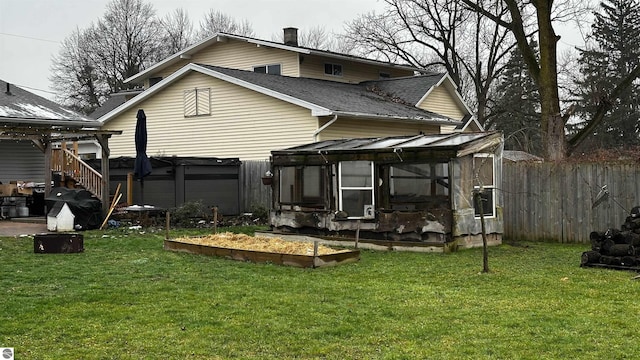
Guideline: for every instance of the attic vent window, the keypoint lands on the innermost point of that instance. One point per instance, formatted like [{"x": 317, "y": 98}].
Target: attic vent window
[
  {"x": 197, "y": 102},
  {"x": 268, "y": 69},
  {"x": 333, "y": 69}
]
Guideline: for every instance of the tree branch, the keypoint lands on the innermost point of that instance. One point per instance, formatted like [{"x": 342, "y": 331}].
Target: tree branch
[{"x": 604, "y": 106}]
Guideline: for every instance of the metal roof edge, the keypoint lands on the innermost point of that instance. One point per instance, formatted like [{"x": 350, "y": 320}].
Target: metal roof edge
[{"x": 433, "y": 120}]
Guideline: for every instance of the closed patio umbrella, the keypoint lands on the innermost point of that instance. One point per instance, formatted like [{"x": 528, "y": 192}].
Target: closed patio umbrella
[{"x": 142, "y": 166}]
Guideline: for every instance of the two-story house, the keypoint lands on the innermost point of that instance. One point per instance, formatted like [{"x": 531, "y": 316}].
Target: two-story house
[{"x": 234, "y": 96}]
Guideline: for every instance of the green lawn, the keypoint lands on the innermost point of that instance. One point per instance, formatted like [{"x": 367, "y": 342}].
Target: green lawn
[{"x": 126, "y": 298}]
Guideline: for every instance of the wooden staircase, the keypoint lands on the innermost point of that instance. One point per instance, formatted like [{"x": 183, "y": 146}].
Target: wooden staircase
[{"x": 68, "y": 165}]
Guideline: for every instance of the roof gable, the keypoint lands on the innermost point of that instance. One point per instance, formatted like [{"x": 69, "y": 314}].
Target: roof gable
[{"x": 451, "y": 87}]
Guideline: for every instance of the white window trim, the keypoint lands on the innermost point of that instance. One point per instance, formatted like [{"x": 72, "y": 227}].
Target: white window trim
[
  {"x": 492, "y": 187},
  {"x": 332, "y": 65},
  {"x": 371, "y": 188}
]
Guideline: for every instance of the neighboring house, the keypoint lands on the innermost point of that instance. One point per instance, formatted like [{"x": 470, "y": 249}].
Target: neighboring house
[
  {"x": 32, "y": 129},
  {"x": 234, "y": 96}
]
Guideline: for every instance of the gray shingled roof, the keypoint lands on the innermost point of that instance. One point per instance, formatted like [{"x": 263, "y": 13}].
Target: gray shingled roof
[
  {"x": 112, "y": 102},
  {"x": 410, "y": 89},
  {"x": 365, "y": 99},
  {"x": 18, "y": 105}
]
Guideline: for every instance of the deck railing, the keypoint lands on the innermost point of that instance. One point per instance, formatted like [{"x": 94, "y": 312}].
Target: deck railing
[{"x": 68, "y": 164}]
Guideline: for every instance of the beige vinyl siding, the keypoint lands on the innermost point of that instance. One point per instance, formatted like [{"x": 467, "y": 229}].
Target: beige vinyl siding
[
  {"x": 345, "y": 128},
  {"x": 445, "y": 129},
  {"x": 243, "y": 123},
  {"x": 352, "y": 72},
  {"x": 440, "y": 101},
  {"x": 239, "y": 55}
]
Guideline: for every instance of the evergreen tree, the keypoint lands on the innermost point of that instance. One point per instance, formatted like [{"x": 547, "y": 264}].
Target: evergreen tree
[
  {"x": 516, "y": 109},
  {"x": 612, "y": 57}
]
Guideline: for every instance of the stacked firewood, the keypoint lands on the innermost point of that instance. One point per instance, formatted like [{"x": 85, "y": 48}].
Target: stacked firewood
[{"x": 616, "y": 248}]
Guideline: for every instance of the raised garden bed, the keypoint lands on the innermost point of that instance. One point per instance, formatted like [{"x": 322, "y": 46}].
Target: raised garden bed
[{"x": 261, "y": 249}]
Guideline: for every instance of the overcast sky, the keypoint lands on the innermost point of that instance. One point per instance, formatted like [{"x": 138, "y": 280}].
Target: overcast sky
[{"x": 31, "y": 30}]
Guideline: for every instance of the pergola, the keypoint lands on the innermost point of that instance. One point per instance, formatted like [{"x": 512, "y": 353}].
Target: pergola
[{"x": 46, "y": 132}]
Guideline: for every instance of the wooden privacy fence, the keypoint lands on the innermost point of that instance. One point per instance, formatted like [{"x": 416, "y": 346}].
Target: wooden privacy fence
[
  {"x": 548, "y": 201},
  {"x": 253, "y": 193}
]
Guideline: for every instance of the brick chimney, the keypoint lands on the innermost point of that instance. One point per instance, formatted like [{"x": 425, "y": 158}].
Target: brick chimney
[{"x": 291, "y": 36}]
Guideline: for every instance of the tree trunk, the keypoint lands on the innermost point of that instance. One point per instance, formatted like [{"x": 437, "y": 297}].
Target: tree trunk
[{"x": 552, "y": 123}]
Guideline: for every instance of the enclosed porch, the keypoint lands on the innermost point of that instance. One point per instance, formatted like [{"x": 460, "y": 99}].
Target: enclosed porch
[{"x": 428, "y": 192}]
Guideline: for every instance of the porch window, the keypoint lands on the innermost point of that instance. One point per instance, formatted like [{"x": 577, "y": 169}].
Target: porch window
[
  {"x": 417, "y": 186},
  {"x": 197, "y": 102},
  {"x": 274, "y": 69},
  {"x": 484, "y": 179},
  {"x": 356, "y": 188},
  {"x": 302, "y": 185}
]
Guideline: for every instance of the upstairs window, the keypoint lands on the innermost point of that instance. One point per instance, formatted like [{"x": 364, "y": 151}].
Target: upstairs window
[
  {"x": 356, "y": 188},
  {"x": 274, "y": 69},
  {"x": 333, "y": 69},
  {"x": 484, "y": 179},
  {"x": 197, "y": 102},
  {"x": 384, "y": 75}
]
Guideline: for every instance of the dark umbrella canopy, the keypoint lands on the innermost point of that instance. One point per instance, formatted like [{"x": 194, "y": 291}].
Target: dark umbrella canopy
[{"x": 142, "y": 166}]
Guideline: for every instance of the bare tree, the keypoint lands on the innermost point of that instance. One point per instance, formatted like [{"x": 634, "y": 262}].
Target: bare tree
[
  {"x": 437, "y": 34},
  {"x": 126, "y": 41},
  {"x": 215, "y": 21},
  {"x": 176, "y": 32},
  {"x": 74, "y": 75},
  {"x": 94, "y": 62},
  {"x": 316, "y": 37},
  {"x": 543, "y": 67}
]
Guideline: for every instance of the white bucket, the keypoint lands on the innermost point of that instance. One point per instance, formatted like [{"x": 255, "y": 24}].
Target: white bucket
[{"x": 23, "y": 211}]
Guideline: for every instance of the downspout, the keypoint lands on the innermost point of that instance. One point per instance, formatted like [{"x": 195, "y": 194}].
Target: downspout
[{"x": 315, "y": 133}]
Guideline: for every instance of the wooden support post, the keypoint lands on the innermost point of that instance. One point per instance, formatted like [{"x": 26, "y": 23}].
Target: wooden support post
[
  {"x": 215, "y": 219},
  {"x": 104, "y": 165},
  {"x": 48, "y": 164},
  {"x": 130, "y": 188},
  {"x": 357, "y": 233},
  {"x": 167, "y": 222},
  {"x": 76, "y": 165},
  {"x": 63, "y": 165}
]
